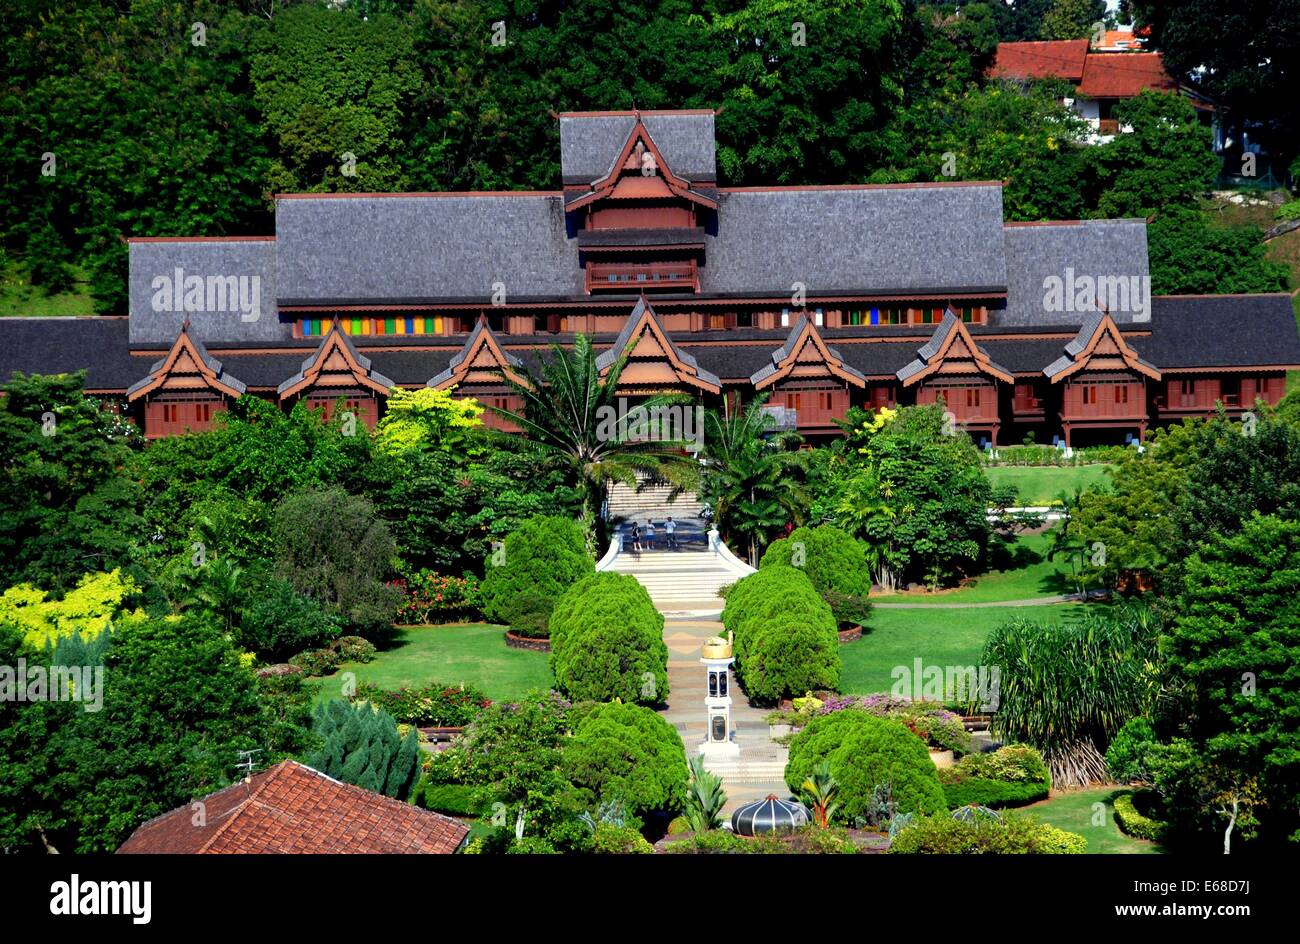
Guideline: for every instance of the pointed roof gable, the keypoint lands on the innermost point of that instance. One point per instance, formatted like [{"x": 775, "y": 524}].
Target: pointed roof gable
[
  {"x": 481, "y": 360},
  {"x": 626, "y": 177},
  {"x": 951, "y": 342},
  {"x": 805, "y": 354},
  {"x": 1098, "y": 346},
  {"x": 187, "y": 366},
  {"x": 334, "y": 360},
  {"x": 645, "y": 343}
]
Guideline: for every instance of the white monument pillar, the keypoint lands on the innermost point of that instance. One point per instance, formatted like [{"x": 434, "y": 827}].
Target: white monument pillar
[{"x": 716, "y": 656}]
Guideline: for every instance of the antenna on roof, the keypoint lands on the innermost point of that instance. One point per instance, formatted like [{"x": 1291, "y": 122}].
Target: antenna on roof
[{"x": 246, "y": 763}]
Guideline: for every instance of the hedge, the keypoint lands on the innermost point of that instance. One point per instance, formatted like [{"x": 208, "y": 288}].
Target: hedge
[
  {"x": 542, "y": 558},
  {"x": 786, "y": 639},
  {"x": 836, "y": 564},
  {"x": 863, "y": 752},
  {"x": 995, "y": 794},
  {"x": 607, "y": 642},
  {"x": 944, "y": 835},
  {"x": 453, "y": 799},
  {"x": 1010, "y": 776},
  {"x": 1134, "y": 824}
]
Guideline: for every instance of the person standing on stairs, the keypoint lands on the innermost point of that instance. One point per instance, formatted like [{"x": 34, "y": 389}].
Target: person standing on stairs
[
  {"x": 636, "y": 537},
  {"x": 670, "y": 531},
  {"x": 649, "y": 534}
]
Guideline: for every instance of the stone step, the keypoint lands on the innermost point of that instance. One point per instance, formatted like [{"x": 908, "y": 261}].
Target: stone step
[{"x": 747, "y": 771}]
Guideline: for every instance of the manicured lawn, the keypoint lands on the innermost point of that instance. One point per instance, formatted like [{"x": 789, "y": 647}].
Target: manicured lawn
[
  {"x": 1040, "y": 485},
  {"x": 1025, "y": 573},
  {"x": 937, "y": 636},
  {"x": 19, "y": 297},
  {"x": 474, "y": 655},
  {"x": 1075, "y": 812}
]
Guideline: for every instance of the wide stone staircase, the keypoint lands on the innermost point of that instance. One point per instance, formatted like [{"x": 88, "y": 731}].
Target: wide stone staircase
[{"x": 678, "y": 580}]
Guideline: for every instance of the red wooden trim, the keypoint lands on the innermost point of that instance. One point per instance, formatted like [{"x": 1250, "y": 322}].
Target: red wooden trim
[
  {"x": 438, "y": 193},
  {"x": 913, "y": 186},
  {"x": 638, "y": 111}
]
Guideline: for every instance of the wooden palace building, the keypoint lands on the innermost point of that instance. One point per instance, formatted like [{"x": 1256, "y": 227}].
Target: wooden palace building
[{"x": 822, "y": 297}]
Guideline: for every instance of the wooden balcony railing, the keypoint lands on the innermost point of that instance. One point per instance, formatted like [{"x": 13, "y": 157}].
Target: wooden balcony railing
[{"x": 636, "y": 277}]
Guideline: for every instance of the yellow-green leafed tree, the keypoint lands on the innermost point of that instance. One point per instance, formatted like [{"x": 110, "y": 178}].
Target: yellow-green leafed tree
[
  {"x": 87, "y": 609},
  {"x": 425, "y": 418}
]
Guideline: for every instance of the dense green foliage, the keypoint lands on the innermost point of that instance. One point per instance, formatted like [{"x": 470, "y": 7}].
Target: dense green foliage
[
  {"x": 1010, "y": 776},
  {"x": 1135, "y": 823},
  {"x": 532, "y": 569},
  {"x": 834, "y": 561},
  {"x": 1067, "y": 688},
  {"x": 607, "y": 642},
  {"x": 866, "y": 752},
  {"x": 943, "y": 835},
  {"x": 785, "y": 637},
  {"x": 361, "y": 746},
  {"x": 629, "y": 754}
]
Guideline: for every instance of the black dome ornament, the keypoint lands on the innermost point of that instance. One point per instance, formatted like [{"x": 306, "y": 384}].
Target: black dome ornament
[{"x": 769, "y": 816}]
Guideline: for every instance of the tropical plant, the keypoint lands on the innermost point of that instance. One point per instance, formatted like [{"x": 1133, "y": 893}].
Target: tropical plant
[
  {"x": 752, "y": 475},
  {"x": 705, "y": 798},
  {"x": 361, "y": 746},
  {"x": 1067, "y": 688},
  {"x": 819, "y": 789},
  {"x": 568, "y": 418}
]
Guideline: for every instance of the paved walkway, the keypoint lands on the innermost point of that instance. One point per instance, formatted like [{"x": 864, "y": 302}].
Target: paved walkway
[
  {"x": 1031, "y": 601},
  {"x": 762, "y": 763}
]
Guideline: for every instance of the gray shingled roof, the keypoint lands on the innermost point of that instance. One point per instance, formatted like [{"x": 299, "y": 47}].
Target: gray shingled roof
[
  {"x": 362, "y": 361},
  {"x": 1221, "y": 331},
  {"x": 932, "y": 347},
  {"x": 204, "y": 258},
  {"x": 589, "y": 144},
  {"x": 852, "y": 240},
  {"x": 1093, "y": 248},
  {"x": 785, "y": 350},
  {"x": 98, "y": 346},
  {"x": 453, "y": 248},
  {"x": 460, "y": 356},
  {"x": 607, "y": 358},
  {"x": 209, "y": 361}
]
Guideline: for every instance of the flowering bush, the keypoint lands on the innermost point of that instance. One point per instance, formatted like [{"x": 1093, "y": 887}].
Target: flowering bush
[
  {"x": 939, "y": 728},
  {"x": 428, "y": 597},
  {"x": 431, "y": 706},
  {"x": 354, "y": 649}
]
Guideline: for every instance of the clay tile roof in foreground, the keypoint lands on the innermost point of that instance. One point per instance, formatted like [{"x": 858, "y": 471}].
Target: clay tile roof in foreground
[
  {"x": 1063, "y": 59},
  {"x": 1124, "y": 74},
  {"x": 291, "y": 808}
]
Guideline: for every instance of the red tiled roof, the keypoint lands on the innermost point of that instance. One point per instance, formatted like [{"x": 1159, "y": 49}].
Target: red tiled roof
[
  {"x": 291, "y": 808},
  {"x": 1060, "y": 58},
  {"x": 1124, "y": 74}
]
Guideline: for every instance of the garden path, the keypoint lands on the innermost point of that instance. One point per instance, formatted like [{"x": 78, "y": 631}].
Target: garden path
[{"x": 760, "y": 768}]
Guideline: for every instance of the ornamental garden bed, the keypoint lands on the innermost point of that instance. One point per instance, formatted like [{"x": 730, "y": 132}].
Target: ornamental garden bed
[
  {"x": 531, "y": 643},
  {"x": 850, "y": 633}
]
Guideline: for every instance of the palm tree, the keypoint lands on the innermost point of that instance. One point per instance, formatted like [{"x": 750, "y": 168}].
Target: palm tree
[
  {"x": 752, "y": 474},
  {"x": 568, "y": 415},
  {"x": 820, "y": 789}
]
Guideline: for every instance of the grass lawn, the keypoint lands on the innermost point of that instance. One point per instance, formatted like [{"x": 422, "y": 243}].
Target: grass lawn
[
  {"x": 937, "y": 636},
  {"x": 1074, "y": 811},
  {"x": 476, "y": 655},
  {"x": 1025, "y": 572},
  {"x": 1039, "y": 485}
]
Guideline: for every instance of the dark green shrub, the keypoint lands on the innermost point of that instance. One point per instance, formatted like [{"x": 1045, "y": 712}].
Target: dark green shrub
[
  {"x": 1133, "y": 822},
  {"x": 630, "y": 754},
  {"x": 944, "y": 835},
  {"x": 786, "y": 640},
  {"x": 995, "y": 794},
  {"x": 277, "y": 622},
  {"x": 607, "y": 642},
  {"x": 316, "y": 662},
  {"x": 864, "y": 752},
  {"x": 1126, "y": 755},
  {"x": 361, "y": 746},
  {"x": 531, "y": 845},
  {"x": 609, "y": 839},
  {"x": 538, "y": 562},
  {"x": 835, "y": 562}
]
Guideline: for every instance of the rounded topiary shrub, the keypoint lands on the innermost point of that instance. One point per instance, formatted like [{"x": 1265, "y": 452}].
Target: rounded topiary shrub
[
  {"x": 786, "y": 642},
  {"x": 836, "y": 564},
  {"x": 607, "y": 642},
  {"x": 630, "y": 754},
  {"x": 538, "y": 562},
  {"x": 865, "y": 752}
]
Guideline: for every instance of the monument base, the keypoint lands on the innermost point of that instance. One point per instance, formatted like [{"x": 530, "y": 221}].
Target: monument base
[{"x": 720, "y": 750}]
